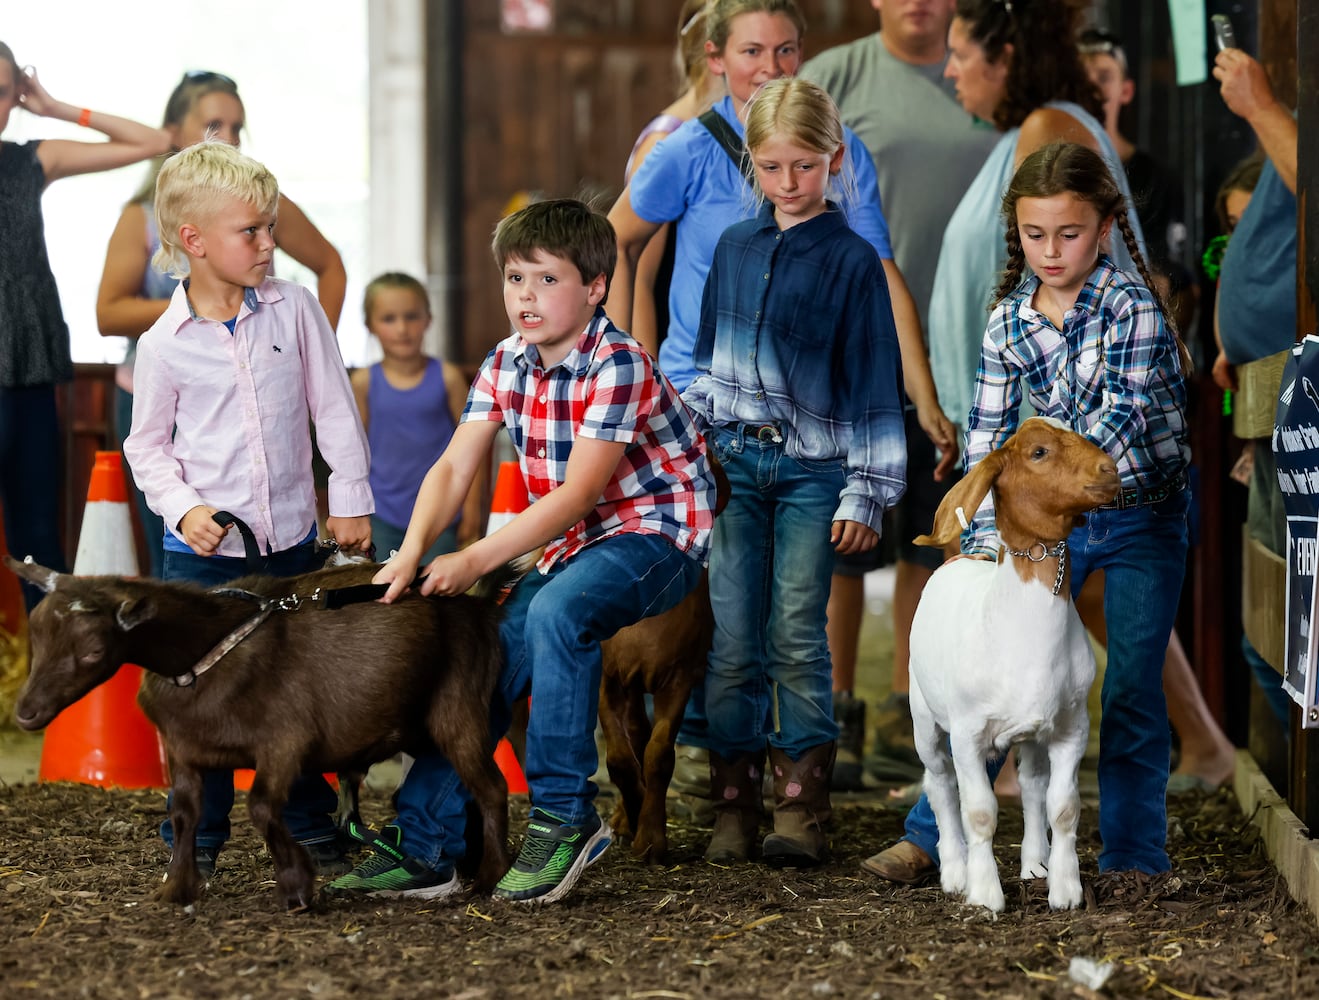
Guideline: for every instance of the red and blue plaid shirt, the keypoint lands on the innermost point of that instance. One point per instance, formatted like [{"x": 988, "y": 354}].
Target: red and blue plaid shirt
[{"x": 607, "y": 388}]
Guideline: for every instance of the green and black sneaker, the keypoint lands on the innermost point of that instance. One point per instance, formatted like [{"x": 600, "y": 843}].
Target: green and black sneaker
[
  {"x": 552, "y": 858},
  {"x": 389, "y": 872}
]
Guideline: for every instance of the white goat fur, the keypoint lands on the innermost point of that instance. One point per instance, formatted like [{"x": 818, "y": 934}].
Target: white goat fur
[{"x": 997, "y": 660}]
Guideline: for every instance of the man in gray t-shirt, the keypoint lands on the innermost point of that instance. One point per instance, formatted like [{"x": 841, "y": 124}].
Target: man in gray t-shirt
[{"x": 891, "y": 91}]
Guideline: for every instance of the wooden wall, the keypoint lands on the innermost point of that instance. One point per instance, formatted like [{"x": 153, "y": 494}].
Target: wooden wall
[{"x": 557, "y": 114}]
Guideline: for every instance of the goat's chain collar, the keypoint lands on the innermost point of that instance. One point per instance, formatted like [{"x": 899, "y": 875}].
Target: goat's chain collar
[
  {"x": 266, "y": 606},
  {"x": 1058, "y": 551}
]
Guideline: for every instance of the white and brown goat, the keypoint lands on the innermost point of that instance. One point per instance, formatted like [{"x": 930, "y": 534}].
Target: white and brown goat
[{"x": 999, "y": 659}]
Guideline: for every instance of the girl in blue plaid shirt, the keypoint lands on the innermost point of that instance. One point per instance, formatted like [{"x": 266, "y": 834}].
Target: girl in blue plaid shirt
[
  {"x": 798, "y": 392},
  {"x": 1091, "y": 346}
]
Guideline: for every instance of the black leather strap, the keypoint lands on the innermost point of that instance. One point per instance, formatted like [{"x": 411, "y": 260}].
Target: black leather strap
[
  {"x": 718, "y": 126},
  {"x": 250, "y": 548}
]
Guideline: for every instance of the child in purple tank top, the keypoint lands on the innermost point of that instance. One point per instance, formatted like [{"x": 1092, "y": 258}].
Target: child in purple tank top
[{"x": 410, "y": 404}]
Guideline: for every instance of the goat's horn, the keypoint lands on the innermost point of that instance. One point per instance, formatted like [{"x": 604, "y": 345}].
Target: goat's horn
[{"x": 33, "y": 573}]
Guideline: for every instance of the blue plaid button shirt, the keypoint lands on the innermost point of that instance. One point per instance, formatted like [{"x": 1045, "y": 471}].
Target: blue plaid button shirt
[
  {"x": 797, "y": 330},
  {"x": 1112, "y": 373}
]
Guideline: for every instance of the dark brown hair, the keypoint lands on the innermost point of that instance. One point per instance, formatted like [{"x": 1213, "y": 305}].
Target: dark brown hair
[
  {"x": 1070, "y": 168},
  {"x": 560, "y": 227},
  {"x": 1045, "y": 64}
]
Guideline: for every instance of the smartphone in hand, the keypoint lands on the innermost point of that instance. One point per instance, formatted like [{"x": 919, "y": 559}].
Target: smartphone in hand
[{"x": 1223, "y": 33}]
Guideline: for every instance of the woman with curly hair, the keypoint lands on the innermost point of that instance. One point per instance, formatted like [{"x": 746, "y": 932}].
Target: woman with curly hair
[{"x": 1016, "y": 66}]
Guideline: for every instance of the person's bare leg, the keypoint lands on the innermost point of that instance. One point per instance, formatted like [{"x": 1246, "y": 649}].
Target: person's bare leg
[
  {"x": 847, "y": 599},
  {"x": 1206, "y": 752}
]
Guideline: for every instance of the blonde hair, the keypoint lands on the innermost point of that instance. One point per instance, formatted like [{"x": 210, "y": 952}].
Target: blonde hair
[
  {"x": 719, "y": 15},
  {"x": 800, "y": 112},
  {"x": 690, "y": 55},
  {"x": 397, "y": 281},
  {"x": 190, "y": 187},
  {"x": 194, "y": 85}
]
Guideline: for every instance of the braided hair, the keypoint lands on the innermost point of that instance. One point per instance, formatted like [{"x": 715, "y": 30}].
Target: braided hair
[{"x": 1070, "y": 168}]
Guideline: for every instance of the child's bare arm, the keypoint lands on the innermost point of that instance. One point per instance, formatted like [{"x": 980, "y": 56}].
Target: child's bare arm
[
  {"x": 916, "y": 373},
  {"x": 130, "y": 141},
  {"x": 361, "y": 382},
  {"x": 473, "y": 519},
  {"x": 121, "y": 309},
  {"x": 298, "y": 237},
  {"x": 590, "y": 467}
]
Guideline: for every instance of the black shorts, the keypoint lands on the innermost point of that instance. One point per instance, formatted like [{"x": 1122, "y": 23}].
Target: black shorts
[{"x": 913, "y": 515}]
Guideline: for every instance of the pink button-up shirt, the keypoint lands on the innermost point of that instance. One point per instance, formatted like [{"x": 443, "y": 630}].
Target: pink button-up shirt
[{"x": 222, "y": 419}]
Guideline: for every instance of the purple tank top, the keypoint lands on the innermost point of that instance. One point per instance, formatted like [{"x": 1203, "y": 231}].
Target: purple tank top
[{"x": 407, "y": 431}]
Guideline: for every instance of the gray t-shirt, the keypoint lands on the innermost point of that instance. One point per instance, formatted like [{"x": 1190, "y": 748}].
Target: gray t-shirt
[{"x": 926, "y": 148}]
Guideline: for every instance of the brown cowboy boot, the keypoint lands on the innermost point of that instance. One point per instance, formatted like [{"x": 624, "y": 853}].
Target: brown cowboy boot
[
  {"x": 801, "y": 807},
  {"x": 735, "y": 790}
]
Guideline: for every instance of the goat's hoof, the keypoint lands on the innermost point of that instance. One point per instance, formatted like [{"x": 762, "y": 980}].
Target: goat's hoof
[
  {"x": 297, "y": 898},
  {"x": 988, "y": 896},
  {"x": 952, "y": 877},
  {"x": 1064, "y": 896},
  {"x": 176, "y": 891},
  {"x": 1035, "y": 869},
  {"x": 618, "y": 822}
]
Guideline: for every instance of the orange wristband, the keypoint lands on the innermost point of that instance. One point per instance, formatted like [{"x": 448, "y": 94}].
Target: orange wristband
[{"x": 85, "y": 117}]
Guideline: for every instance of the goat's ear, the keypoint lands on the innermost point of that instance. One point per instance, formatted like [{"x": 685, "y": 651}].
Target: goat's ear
[
  {"x": 132, "y": 612},
  {"x": 968, "y": 494},
  {"x": 33, "y": 573}
]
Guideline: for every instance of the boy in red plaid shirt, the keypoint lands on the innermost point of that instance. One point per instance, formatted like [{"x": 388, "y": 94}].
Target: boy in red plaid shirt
[{"x": 623, "y": 501}]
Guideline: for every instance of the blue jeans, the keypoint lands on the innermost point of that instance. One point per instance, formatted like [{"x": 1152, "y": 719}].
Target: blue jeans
[
  {"x": 1270, "y": 682},
  {"x": 30, "y": 479},
  {"x": 551, "y": 633},
  {"x": 311, "y": 804},
  {"x": 153, "y": 528},
  {"x": 1142, "y": 551},
  {"x": 770, "y": 567}
]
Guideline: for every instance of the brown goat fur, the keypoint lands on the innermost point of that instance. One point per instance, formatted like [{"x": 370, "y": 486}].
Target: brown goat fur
[
  {"x": 664, "y": 656},
  {"x": 1035, "y": 457},
  {"x": 307, "y": 691}
]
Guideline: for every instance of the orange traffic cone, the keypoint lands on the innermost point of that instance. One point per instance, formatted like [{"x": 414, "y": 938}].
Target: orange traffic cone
[
  {"x": 104, "y": 739},
  {"x": 509, "y": 501},
  {"x": 510, "y": 497}
]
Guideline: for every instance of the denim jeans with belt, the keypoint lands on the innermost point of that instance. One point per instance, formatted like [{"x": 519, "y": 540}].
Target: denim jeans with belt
[
  {"x": 771, "y": 562},
  {"x": 311, "y": 804},
  {"x": 1142, "y": 551},
  {"x": 551, "y": 633}
]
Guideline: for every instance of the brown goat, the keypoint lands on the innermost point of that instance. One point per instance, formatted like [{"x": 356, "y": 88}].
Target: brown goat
[
  {"x": 307, "y": 690},
  {"x": 664, "y": 656}
]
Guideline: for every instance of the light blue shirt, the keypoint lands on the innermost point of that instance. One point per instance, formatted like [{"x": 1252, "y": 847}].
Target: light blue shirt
[{"x": 689, "y": 178}]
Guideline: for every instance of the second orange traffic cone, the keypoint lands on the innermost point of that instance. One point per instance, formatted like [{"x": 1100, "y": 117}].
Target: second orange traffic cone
[
  {"x": 510, "y": 499},
  {"x": 104, "y": 739}
]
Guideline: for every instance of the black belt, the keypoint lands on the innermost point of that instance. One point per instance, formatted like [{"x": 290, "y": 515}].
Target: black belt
[
  {"x": 1139, "y": 496},
  {"x": 762, "y": 432}
]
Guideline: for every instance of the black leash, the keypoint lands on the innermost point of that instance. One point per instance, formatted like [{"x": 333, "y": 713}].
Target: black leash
[{"x": 319, "y": 599}]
